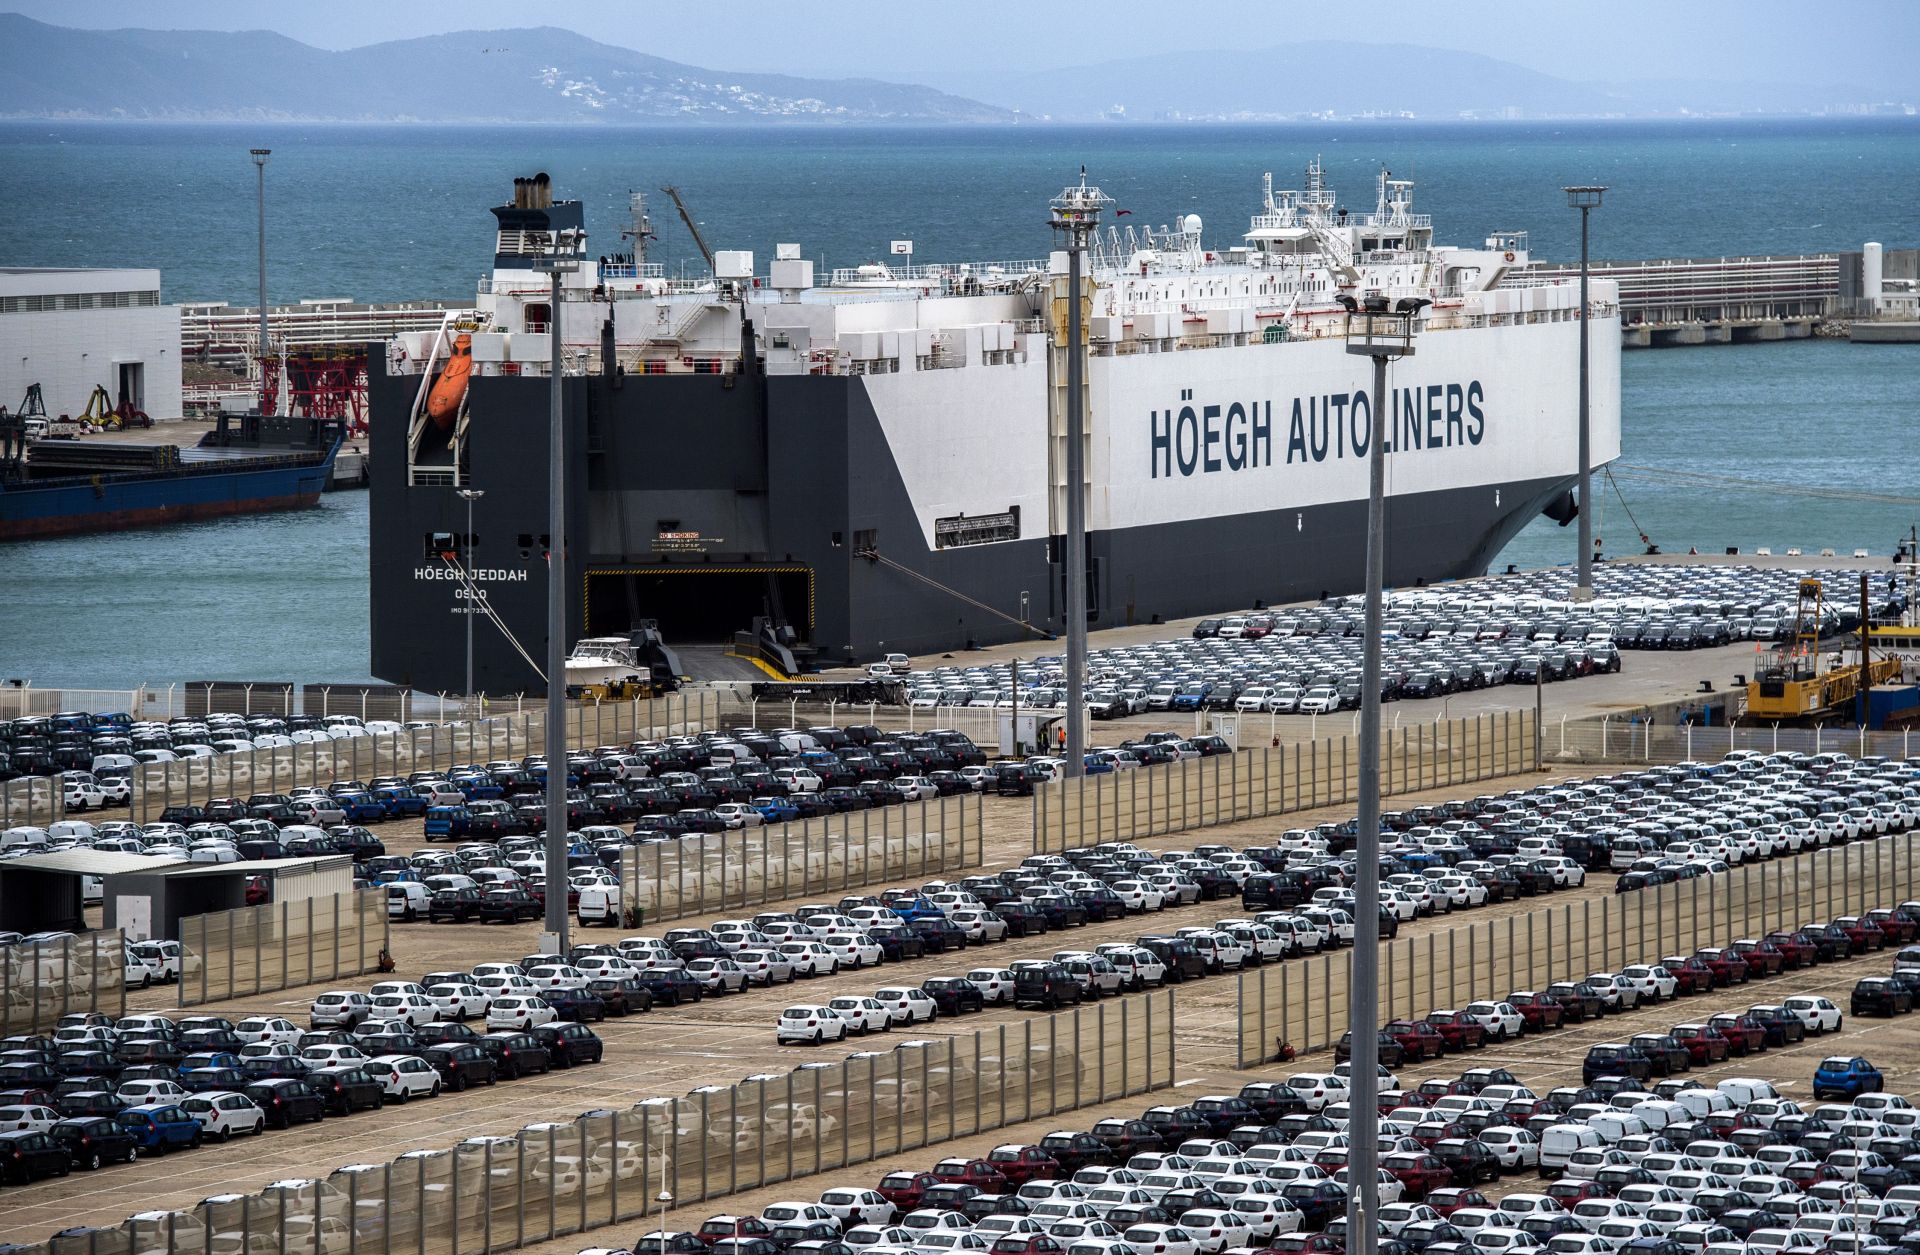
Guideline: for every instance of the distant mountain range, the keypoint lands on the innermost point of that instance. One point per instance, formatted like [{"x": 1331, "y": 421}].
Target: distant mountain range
[
  {"x": 549, "y": 75},
  {"x": 542, "y": 74},
  {"x": 1348, "y": 79}
]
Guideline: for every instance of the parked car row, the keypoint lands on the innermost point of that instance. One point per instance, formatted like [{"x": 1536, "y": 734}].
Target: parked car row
[
  {"x": 1675, "y": 1167},
  {"x": 100, "y": 1091}
]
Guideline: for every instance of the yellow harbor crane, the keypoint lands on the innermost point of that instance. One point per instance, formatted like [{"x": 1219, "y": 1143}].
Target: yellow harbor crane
[{"x": 1789, "y": 681}]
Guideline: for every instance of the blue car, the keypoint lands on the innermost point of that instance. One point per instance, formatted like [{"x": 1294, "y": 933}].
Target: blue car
[
  {"x": 448, "y": 821},
  {"x": 776, "y": 810},
  {"x": 361, "y": 808},
  {"x": 1846, "y": 1076},
  {"x": 401, "y": 803},
  {"x": 911, "y": 909},
  {"x": 159, "y": 1127},
  {"x": 1097, "y": 766},
  {"x": 1191, "y": 696}
]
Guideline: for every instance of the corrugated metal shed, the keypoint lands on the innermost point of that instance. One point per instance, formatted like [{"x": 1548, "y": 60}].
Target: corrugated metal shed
[{"x": 44, "y": 891}]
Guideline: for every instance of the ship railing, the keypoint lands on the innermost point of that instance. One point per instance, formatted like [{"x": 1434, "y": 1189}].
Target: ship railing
[
  {"x": 632, "y": 270},
  {"x": 937, "y": 273}
]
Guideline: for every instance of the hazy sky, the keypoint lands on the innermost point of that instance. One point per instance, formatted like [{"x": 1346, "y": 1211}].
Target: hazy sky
[{"x": 1865, "y": 42}]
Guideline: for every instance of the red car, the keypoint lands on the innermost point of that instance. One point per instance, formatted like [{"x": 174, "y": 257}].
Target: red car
[
  {"x": 1862, "y": 933},
  {"x": 1899, "y": 926},
  {"x": 1569, "y": 1191},
  {"x": 1021, "y": 1164},
  {"x": 1459, "y": 1030},
  {"x": 1027, "y": 1244},
  {"x": 1763, "y": 957},
  {"x": 1434, "y": 1087},
  {"x": 1391, "y": 1098},
  {"x": 1454, "y": 1197},
  {"x": 1430, "y": 1133},
  {"x": 1430, "y": 1034},
  {"x": 1704, "y": 1042},
  {"x": 904, "y": 1189},
  {"x": 975, "y": 1172},
  {"x": 719, "y": 1228},
  {"x": 1539, "y": 1011},
  {"x": 1799, "y": 950},
  {"x": 1726, "y": 964},
  {"x": 1418, "y": 1172},
  {"x": 1695, "y": 974},
  {"x": 1745, "y": 1035},
  {"x": 1410, "y": 1038}
]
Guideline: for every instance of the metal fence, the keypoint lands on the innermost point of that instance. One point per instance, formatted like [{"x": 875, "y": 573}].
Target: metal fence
[
  {"x": 833, "y": 853},
  {"x": 30, "y": 801},
  {"x": 1643, "y": 740},
  {"x": 280, "y": 945},
  {"x": 1226, "y": 788},
  {"x": 612, "y": 1164},
  {"x": 41, "y": 981},
  {"x": 1304, "y": 1002}
]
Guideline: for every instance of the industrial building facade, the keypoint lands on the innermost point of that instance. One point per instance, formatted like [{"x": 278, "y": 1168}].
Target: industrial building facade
[{"x": 72, "y": 330}]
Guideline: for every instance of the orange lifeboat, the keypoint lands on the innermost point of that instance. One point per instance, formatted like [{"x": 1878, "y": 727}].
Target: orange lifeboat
[{"x": 443, "y": 403}]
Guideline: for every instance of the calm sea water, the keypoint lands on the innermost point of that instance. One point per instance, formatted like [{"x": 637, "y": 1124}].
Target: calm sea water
[{"x": 380, "y": 213}]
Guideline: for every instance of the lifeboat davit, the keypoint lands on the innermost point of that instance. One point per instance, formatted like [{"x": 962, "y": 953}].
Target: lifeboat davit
[{"x": 443, "y": 403}]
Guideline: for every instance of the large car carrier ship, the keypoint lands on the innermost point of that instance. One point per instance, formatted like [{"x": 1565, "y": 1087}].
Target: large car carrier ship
[{"x": 872, "y": 460}]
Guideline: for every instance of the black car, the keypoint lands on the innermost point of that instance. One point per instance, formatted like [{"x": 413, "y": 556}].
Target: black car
[
  {"x": 1017, "y": 779},
  {"x": 508, "y": 905},
  {"x": 897, "y": 941},
  {"x": 955, "y": 995},
  {"x": 576, "y": 1004},
  {"x": 445, "y": 1033},
  {"x": 1876, "y": 995},
  {"x": 678, "y": 1242},
  {"x": 568, "y": 1044},
  {"x": 28, "y": 1157},
  {"x": 672, "y": 986},
  {"x": 272, "y": 1067},
  {"x": 1183, "y": 961},
  {"x": 1470, "y": 1160},
  {"x": 1048, "y": 987},
  {"x": 516, "y": 1054},
  {"x": 1616, "y": 1059},
  {"x": 455, "y": 906},
  {"x": 94, "y": 1140},
  {"x": 461, "y": 1064},
  {"x": 1074, "y": 1151},
  {"x": 347, "y": 1088},
  {"x": 622, "y": 995},
  {"x": 939, "y": 934},
  {"x": 1022, "y": 919},
  {"x": 89, "y": 1102}
]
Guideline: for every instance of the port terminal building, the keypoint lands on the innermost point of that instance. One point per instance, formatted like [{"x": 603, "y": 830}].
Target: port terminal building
[{"x": 72, "y": 330}]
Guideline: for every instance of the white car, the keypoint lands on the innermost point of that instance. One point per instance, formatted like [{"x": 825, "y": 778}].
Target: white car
[
  {"x": 1319, "y": 1088},
  {"x": 979, "y": 924},
  {"x": 739, "y": 815},
  {"x": 549, "y": 977},
  {"x": 810, "y": 1023},
  {"x": 1161, "y": 1239},
  {"x": 1820, "y": 1015},
  {"x": 221, "y": 1115},
  {"x": 276, "y": 1030},
  {"x": 1650, "y": 981},
  {"x": 405, "y": 1076},
  {"x": 996, "y": 984},
  {"x": 415, "y": 1009},
  {"x": 907, "y": 1004},
  {"x": 339, "y": 1008},
  {"x": 162, "y": 955},
  {"x": 328, "y": 1054},
  {"x": 459, "y": 1002},
  {"x": 853, "y": 949},
  {"x": 134, "y": 1094},
  {"x": 1500, "y": 1019},
  {"x": 916, "y": 788},
  {"x": 852, "y": 1207},
  {"x": 863, "y": 1015},
  {"x": 1516, "y": 1148},
  {"x": 28, "y": 1118},
  {"x": 522, "y": 1011},
  {"x": 809, "y": 958}
]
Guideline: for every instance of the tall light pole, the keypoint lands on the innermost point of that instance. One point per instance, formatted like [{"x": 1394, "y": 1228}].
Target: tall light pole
[
  {"x": 1076, "y": 215},
  {"x": 470, "y": 495},
  {"x": 1586, "y": 200},
  {"x": 1384, "y": 334},
  {"x": 563, "y": 259},
  {"x": 260, "y": 156}
]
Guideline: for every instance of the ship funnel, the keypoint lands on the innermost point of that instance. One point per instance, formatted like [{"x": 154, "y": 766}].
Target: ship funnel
[
  {"x": 519, "y": 193},
  {"x": 542, "y": 191}
]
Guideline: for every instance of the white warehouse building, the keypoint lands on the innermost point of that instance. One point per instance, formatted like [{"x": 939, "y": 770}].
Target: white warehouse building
[{"x": 70, "y": 330}]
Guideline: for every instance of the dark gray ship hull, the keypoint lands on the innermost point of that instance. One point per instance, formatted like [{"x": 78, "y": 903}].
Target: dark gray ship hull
[{"x": 702, "y": 501}]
